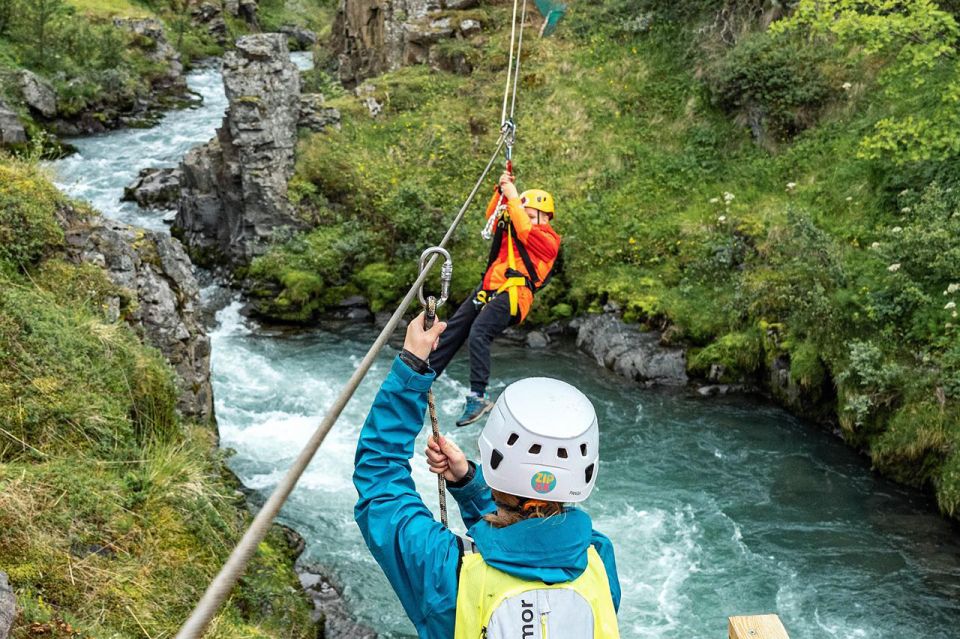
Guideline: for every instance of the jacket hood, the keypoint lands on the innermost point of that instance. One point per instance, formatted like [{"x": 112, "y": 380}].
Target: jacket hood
[{"x": 551, "y": 550}]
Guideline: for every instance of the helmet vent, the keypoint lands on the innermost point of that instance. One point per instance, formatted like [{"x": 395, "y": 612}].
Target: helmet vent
[
  {"x": 512, "y": 439},
  {"x": 562, "y": 453},
  {"x": 583, "y": 449},
  {"x": 495, "y": 459},
  {"x": 589, "y": 473},
  {"x": 535, "y": 449}
]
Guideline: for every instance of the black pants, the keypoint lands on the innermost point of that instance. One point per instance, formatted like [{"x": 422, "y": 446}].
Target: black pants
[{"x": 478, "y": 325}]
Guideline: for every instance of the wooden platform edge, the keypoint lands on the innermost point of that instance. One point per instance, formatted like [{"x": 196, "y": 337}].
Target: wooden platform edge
[{"x": 757, "y": 627}]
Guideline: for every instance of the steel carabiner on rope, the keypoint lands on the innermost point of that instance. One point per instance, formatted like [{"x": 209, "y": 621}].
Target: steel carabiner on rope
[
  {"x": 431, "y": 303},
  {"x": 509, "y": 131},
  {"x": 430, "y": 306}
]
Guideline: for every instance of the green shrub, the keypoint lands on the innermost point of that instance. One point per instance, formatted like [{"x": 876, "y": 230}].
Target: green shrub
[
  {"x": 28, "y": 215},
  {"x": 771, "y": 84},
  {"x": 737, "y": 355}
]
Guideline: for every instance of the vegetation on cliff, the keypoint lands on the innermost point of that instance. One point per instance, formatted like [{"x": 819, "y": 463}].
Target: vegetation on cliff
[
  {"x": 115, "y": 513},
  {"x": 769, "y": 182}
]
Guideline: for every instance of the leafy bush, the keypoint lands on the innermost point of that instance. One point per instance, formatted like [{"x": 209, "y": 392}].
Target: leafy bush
[{"x": 771, "y": 84}]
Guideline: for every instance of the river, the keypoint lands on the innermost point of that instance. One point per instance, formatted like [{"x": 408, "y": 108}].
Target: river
[{"x": 716, "y": 507}]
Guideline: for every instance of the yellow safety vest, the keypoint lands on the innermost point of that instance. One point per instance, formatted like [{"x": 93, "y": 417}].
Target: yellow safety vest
[{"x": 494, "y": 605}]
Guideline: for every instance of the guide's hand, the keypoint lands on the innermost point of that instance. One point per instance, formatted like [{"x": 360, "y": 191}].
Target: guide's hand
[
  {"x": 447, "y": 459},
  {"x": 507, "y": 187},
  {"x": 421, "y": 342}
]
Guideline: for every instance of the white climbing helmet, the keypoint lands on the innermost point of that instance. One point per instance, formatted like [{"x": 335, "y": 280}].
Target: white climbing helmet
[{"x": 541, "y": 441}]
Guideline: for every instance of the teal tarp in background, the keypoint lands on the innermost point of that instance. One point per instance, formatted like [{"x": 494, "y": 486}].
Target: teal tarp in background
[{"x": 552, "y": 12}]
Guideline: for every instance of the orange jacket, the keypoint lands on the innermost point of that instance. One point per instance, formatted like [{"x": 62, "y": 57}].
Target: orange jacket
[{"x": 542, "y": 244}]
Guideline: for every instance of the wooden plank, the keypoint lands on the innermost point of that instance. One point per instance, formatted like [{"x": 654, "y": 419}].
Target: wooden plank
[{"x": 757, "y": 627}]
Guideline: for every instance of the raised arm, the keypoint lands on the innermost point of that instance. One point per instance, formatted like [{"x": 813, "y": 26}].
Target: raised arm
[{"x": 418, "y": 555}]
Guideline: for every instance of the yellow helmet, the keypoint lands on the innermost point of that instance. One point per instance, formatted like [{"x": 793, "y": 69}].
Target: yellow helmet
[{"x": 538, "y": 199}]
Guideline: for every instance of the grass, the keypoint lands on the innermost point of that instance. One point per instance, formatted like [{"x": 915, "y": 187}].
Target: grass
[
  {"x": 115, "y": 512},
  {"x": 102, "y": 9}
]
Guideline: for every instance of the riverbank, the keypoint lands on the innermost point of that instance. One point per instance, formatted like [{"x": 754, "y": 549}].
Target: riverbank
[{"x": 116, "y": 506}]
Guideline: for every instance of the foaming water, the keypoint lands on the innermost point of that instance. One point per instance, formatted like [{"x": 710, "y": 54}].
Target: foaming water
[
  {"x": 716, "y": 508},
  {"x": 105, "y": 164}
]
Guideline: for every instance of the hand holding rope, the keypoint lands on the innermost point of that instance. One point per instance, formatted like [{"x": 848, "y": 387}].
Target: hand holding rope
[{"x": 430, "y": 306}]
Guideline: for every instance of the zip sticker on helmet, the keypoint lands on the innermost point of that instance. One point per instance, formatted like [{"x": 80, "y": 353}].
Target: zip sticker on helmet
[{"x": 543, "y": 481}]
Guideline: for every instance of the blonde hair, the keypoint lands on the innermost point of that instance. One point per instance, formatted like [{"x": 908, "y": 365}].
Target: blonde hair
[{"x": 512, "y": 509}]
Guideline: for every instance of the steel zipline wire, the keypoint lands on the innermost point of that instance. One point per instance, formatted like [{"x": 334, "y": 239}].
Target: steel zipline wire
[
  {"x": 219, "y": 589},
  {"x": 233, "y": 569}
]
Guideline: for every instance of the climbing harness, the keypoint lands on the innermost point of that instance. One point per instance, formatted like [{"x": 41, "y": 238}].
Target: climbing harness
[
  {"x": 430, "y": 306},
  {"x": 223, "y": 583}
]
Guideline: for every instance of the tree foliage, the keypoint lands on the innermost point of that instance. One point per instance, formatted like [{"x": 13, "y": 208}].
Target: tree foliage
[{"x": 916, "y": 42}]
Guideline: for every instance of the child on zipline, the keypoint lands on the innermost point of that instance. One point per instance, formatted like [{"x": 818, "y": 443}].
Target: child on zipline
[{"x": 524, "y": 250}]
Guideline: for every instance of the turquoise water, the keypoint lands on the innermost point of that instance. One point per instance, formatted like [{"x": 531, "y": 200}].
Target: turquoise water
[{"x": 716, "y": 507}]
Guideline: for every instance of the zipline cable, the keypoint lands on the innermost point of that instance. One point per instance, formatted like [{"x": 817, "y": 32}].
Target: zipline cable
[
  {"x": 506, "y": 88},
  {"x": 223, "y": 583},
  {"x": 516, "y": 71}
]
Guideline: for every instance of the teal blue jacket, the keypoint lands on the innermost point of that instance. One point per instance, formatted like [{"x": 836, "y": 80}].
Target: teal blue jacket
[{"x": 420, "y": 557}]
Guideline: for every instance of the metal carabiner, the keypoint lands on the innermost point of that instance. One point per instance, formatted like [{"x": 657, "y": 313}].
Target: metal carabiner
[
  {"x": 431, "y": 304},
  {"x": 509, "y": 131}
]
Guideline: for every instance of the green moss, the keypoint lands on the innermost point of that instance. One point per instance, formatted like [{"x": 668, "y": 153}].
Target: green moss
[
  {"x": 806, "y": 369},
  {"x": 737, "y": 356}
]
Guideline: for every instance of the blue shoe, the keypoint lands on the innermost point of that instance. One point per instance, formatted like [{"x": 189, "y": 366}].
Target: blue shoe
[{"x": 476, "y": 406}]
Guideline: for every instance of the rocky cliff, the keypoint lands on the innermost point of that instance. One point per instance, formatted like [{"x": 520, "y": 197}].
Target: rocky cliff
[
  {"x": 8, "y": 606},
  {"x": 374, "y": 36},
  {"x": 163, "y": 304},
  {"x": 234, "y": 188}
]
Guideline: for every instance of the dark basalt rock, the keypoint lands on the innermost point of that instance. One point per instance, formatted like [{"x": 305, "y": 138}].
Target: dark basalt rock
[
  {"x": 234, "y": 188},
  {"x": 371, "y": 37},
  {"x": 329, "y": 607},
  {"x": 11, "y": 129},
  {"x": 315, "y": 116},
  {"x": 157, "y": 274},
  {"x": 155, "y": 188},
  {"x": 627, "y": 351},
  {"x": 300, "y": 39}
]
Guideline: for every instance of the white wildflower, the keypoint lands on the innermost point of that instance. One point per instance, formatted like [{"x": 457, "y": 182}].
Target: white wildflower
[
  {"x": 893, "y": 268},
  {"x": 905, "y": 209},
  {"x": 728, "y": 197},
  {"x": 953, "y": 288},
  {"x": 875, "y": 246},
  {"x": 791, "y": 186},
  {"x": 846, "y": 86},
  {"x": 714, "y": 200},
  {"x": 953, "y": 314},
  {"x": 896, "y": 229},
  {"x": 849, "y": 198},
  {"x": 722, "y": 219},
  {"x": 950, "y": 306}
]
